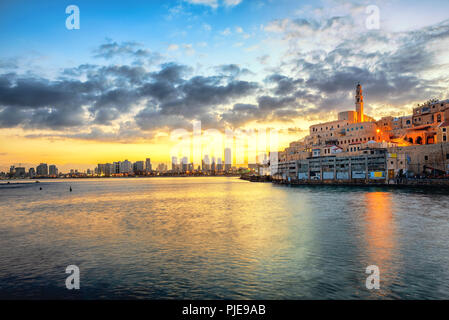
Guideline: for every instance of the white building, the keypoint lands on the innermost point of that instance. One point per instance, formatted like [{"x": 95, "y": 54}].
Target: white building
[{"x": 126, "y": 167}]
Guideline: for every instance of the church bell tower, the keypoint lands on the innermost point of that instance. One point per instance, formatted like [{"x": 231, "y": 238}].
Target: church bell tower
[{"x": 359, "y": 103}]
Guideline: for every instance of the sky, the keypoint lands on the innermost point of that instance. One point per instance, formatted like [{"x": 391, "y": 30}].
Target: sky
[{"x": 137, "y": 71}]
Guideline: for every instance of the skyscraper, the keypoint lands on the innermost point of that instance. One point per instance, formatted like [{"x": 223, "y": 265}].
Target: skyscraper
[
  {"x": 174, "y": 163},
  {"x": 109, "y": 169},
  {"x": 52, "y": 170},
  {"x": 206, "y": 163},
  {"x": 20, "y": 172},
  {"x": 219, "y": 165},
  {"x": 228, "y": 159},
  {"x": 42, "y": 169},
  {"x": 148, "y": 166},
  {"x": 139, "y": 167},
  {"x": 184, "y": 164},
  {"x": 126, "y": 167},
  {"x": 213, "y": 165}
]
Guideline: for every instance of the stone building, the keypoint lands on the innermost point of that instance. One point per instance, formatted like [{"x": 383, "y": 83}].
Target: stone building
[{"x": 353, "y": 132}]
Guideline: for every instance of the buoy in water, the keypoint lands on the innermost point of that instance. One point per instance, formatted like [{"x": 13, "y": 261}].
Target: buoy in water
[
  {"x": 40, "y": 188},
  {"x": 70, "y": 188}
]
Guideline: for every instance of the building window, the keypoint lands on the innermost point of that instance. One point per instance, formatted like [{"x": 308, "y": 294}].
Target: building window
[
  {"x": 426, "y": 158},
  {"x": 439, "y": 118},
  {"x": 444, "y": 138},
  {"x": 444, "y": 129},
  {"x": 447, "y": 156}
]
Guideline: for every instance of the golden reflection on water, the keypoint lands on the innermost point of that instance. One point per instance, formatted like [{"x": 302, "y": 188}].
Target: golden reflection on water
[
  {"x": 197, "y": 218},
  {"x": 380, "y": 234}
]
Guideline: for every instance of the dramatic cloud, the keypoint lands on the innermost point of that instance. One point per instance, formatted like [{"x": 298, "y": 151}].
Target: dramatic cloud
[{"x": 322, "y": 60}]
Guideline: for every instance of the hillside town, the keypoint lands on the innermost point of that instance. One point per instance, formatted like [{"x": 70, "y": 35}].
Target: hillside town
[{"x": 356, "y": 147}]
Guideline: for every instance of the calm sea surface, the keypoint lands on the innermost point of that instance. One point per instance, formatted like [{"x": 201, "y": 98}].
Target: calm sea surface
[{"x": 220, "y": 238}]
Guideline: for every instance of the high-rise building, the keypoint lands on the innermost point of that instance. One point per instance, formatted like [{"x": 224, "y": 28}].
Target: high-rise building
[
  {"x": 32, "y": 172},
  {"x": 184, "y": 164},
  {"x": 19, "y": 172},
  {"x": 101, "y": 169},
  {"x": 139, "y": 166},
  {"x": 109, "y": 169},
  {"x": 42, "y": 169},
  {"x": 174, "y": 164},
  {"x": 206, "y": 163},
  {"x": 126, "y": 167},
  {"x": 228, "y": 159},
  {"x": 52, "y": 170},
  {"x": 148, "y": 166},
  {"x": 219, "y": 165},
  {"x": 116, "y": 167},
  {"x": 212, "y": 168}
]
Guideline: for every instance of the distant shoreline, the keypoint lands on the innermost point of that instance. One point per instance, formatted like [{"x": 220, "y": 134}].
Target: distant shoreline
[{"x": 38, "y": 180}]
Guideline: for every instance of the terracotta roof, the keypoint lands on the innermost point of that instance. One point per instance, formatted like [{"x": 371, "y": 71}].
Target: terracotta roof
[{"x": 444, "y": 124}]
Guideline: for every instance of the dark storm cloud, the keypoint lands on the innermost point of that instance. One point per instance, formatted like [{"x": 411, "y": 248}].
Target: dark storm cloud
[
  {"x": 38, "y": 92},
  {"x": 11, "y": 117},
  {"x": 273, "y": 103},
  {"x": 149, "y": 120},
  {"x": 171, "y": 72},
  {"x": 194, "y": 98},
  {"x": 284, "y": 85},
  {"x": 268, "y": 109},
  {"x": 41, "y": 103},
  {"x": 240, "y": 114},
  {"x": 199, "y": 94}
]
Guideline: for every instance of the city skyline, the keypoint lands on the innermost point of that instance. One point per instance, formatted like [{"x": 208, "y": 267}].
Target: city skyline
[{"x": 76, "y": 98}]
